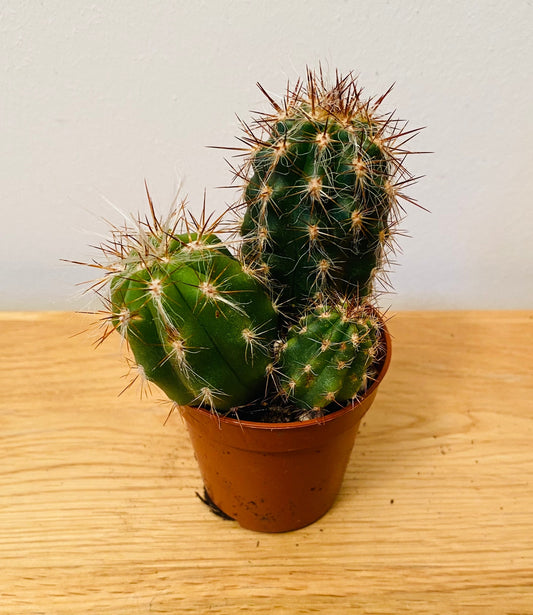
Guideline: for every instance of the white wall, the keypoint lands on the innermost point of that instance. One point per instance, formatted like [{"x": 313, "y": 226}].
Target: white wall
[{"x": 97, "y": 96}]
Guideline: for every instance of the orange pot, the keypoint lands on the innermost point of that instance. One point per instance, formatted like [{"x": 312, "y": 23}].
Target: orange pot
[{"x": 276, "y": 477}]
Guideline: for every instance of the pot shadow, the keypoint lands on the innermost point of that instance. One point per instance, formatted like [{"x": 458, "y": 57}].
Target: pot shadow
[{"x": 206, "y": 499}]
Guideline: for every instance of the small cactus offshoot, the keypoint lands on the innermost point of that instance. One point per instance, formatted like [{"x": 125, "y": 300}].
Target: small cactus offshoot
[
  {"x": 282, "y": 318},
  {"x": 327, "y": 356}
]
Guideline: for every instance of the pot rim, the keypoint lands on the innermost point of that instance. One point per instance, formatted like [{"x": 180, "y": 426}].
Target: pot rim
[{"x": 256, "y": 425}]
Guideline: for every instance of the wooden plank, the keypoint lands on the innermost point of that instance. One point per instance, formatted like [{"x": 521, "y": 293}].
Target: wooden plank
[{"x": 98, "y": 512}]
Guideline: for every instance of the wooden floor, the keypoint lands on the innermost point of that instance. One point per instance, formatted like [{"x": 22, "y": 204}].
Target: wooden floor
[{"x": 98, "y": 512}]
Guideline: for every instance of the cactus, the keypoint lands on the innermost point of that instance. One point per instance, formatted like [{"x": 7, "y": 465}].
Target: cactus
[
  {"x": 327, "y": 356},
  {"x": 198, "y": 325},
  {"x": 321, "y": 187},
  {"x": 287, "y": 321}
]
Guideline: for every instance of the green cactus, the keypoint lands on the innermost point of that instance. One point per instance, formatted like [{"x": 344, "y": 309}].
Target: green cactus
[
  {"x": 320, "y": 190},
  {"x": 322, "y": 177},
  {"x": 198, "y": 325},
  {"x": 327, "y": 356}
]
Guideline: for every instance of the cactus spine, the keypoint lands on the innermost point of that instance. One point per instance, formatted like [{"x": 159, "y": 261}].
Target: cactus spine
[{"x": 321, "y": 184}]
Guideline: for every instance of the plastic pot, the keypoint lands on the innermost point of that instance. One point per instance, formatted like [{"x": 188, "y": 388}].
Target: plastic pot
[{"x": 276, "y": 477}]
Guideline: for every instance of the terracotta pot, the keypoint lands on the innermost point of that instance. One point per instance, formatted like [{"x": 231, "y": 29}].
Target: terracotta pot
[{"x": 276, "y": 477}]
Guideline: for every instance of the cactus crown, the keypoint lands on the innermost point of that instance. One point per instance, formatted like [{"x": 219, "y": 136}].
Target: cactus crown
[{"x": 286, "y": 319}]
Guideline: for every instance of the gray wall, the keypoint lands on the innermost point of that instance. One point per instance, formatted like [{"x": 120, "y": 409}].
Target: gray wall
[{"x": 98, "y": 96}]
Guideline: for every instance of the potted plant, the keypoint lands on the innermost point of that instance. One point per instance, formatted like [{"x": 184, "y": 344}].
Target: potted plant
[{"x": 270, "y": 342}]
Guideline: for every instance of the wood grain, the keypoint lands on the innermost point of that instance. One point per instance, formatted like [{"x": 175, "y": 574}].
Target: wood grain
[{"x": 98, "y": 512}]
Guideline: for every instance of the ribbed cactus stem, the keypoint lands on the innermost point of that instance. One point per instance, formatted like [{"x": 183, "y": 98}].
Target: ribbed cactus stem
[
  {"x": 327, "y": 356},
  {"x": 199, "y": 326},
  {"x": 321, "y": 184}
]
